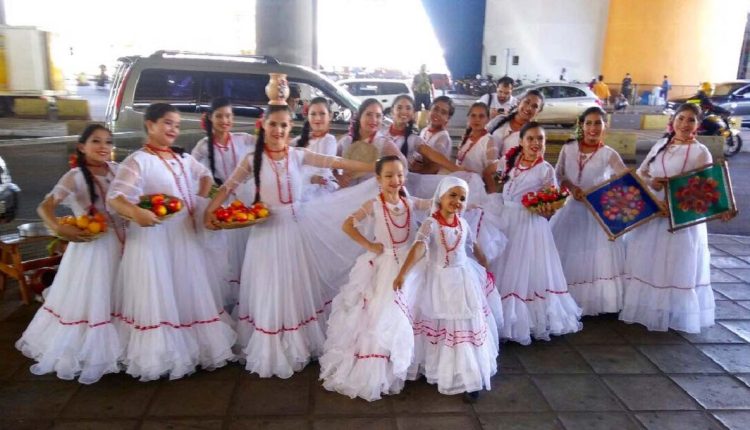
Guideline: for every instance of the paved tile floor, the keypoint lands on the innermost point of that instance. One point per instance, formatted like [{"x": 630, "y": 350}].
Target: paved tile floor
[{"x": 609, "y": 376}]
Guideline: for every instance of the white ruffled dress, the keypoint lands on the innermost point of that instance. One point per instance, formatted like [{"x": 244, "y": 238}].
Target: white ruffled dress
[
  {"x": 166, "y": 312},
  {"x": 668, "y": 282},
  {"x": 453, "y": 316},
  {"x": 370, "y": 342},
  {"x": 72, "y": 333},
  {"x": 529, "y": 275},
  {"x": 593, "y": 265},
  {"x": 292, "y": 262},
  {"x": 227, "y": 245}
]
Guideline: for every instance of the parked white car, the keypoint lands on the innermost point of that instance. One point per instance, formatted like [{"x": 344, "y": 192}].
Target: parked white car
[
  {"x": 563, "y": 101},
  {"x": 384, "y": 90}
]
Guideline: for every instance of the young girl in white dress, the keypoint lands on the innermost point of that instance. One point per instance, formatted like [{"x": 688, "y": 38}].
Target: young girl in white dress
[
  {"x": 284, "y": 298},
  {"x": 71, "y": 334},
  {"x": 456, "y": 333},
  {"x": 220, "y": 151},
  {"x": 668, "y": 283},
  {"x": 593, "y": 265},
  {"x": 317, "y": 138},
  {"x": 370, "y": 342},
  {"x": 506, "y": 132},
  {"x": 165, "y": 309},
  {"x": 529, "y": 275}
]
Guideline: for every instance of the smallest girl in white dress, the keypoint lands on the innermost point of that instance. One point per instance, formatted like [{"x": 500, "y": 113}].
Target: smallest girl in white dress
[
  {"x": 457, "y": 342},
  {"x": 317, "y": 138}
]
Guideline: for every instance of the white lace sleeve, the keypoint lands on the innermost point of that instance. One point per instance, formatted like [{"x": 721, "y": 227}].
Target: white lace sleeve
[
  {"x": 615, "y": 162},
  {"x": 364, "y": 212},
  {"x": 643, "y": 170},
  {"x": 318, "y": 160},
  {"x": 344, "y": 144},
  {"x": 128, "y": 182},
  {"x": 704, "y": 157},
  {"x": 425, "y": 232},
  {"x": 197, "y": 170},
  {"x": 492, "y": 153},
  {"x": 443, "y": 144},
  {"x": 200, "y": 152},
  {"x": 241, "y": 174},
  {"x": 65, "y": 187}
]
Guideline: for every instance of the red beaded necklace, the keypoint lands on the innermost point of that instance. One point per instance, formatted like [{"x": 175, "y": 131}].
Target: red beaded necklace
[
  {"x": 387, "y": 217},
  {"x": 519, "y": 170},
  {"x": 120, "y": 233},
  {"x": 290, "y": 196},
  {"x": 394, "y": 132},
  {"x": 465, "y": 149},
  {"x": 186, "y": 194},
  {"x": 443, "y": 223},
  {"x": 224, "y": 148}
]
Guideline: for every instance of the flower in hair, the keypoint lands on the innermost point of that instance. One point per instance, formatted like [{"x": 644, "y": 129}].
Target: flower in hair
[
  {"x": 73, "y": 161},
  {"x": 258, "y": 125},
  {"x": 512, "y": 152}
]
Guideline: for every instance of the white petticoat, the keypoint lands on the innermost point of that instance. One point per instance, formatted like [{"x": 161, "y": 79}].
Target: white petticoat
[
  {"x": 593, "y": 265},
  {"x": 166, "y": 312},
  {"x": 668, "y": 278},
  {"x": 370, "y": 342},
  {"x": 71, "y": 334},
  {"x": 529, "y": 275}
]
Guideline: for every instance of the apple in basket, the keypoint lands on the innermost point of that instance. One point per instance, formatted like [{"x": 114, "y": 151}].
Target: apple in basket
[
  {"x": 162, "y": 205},
  {"x": 236, "y": 213}
]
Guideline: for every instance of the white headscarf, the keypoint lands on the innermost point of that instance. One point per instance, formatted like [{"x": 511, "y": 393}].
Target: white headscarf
[{"x": 445, "y": 185}]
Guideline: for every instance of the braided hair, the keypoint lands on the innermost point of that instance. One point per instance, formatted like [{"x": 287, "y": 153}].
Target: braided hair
[
  {"x": 216, "y": 104},
  {"x": 357, "y": 120},
  {"x": 304, "y": 138},
  {"x": 409, "y": 126},
  {"x": 514, "y": 111},
  {"x": 513, "y": 153},
  {"x": 695, "y": 109},
  {"x": 387, "y": 159},
  {"x": 260, "y": 146},
  {"x": 578, "y": 131},
  {"x": 467, "y": 133},
  {"x": 81, "y": 162}
]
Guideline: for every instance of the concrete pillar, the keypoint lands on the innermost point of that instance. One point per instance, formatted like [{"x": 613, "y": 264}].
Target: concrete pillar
[{"x": 286, "y": 30}]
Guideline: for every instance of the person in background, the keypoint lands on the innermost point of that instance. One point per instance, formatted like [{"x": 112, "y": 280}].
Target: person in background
[
  {"x": 423, "y": 89},
  {"x": 665, "y": 87},
  {"x": 502, "y": 101},
  {"x": 562, "y": 74},
  {"x": 601, "y": 90},
  {"x": 626, "y": 89}
]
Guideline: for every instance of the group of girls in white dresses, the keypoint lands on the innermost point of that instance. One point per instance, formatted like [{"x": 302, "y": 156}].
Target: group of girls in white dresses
[{"x": 378, "y": 282}]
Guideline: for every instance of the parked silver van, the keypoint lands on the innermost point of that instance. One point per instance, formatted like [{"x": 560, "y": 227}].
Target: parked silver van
[{"x": 189, "y": 81}]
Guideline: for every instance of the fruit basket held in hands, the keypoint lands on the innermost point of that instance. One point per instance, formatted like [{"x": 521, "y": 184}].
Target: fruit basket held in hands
[
  {"x": 163, "y": 205},
  {"x": 551, "y": 198},
  {"x": 91, "y": 226},
  {"x": 237, "y": 215}
]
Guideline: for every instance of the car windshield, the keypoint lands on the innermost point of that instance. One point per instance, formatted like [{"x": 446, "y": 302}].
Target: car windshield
[{"x": 725, "y": 89}]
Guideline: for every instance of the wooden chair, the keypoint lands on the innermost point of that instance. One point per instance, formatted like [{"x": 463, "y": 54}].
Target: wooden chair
[{"x": 12, "y": 264}]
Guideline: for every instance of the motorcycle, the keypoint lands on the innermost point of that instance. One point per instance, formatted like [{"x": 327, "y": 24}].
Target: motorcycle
[{"x": 719, "y": 123}]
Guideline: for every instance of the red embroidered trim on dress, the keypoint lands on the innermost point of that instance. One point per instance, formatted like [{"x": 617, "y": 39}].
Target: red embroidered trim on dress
[
  {"x": 597, "y": 279},
  {"x": 668, "y": 286},
  {"x": 131, "y": 321},
  {"x": 59, "y": 319},
  {"x": 283, "y": 329},
  {"x": 536, "y": 295},
  {"x": 360, "y": 357}
]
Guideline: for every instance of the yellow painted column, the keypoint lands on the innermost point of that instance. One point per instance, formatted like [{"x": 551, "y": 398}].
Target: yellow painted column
[{"x": 689, "y": 40}]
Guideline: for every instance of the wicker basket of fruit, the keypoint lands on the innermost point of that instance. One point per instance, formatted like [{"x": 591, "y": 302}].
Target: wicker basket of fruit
[
  {"x": 237, "y": 215},
  {"x": 91, "y": 226}
]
